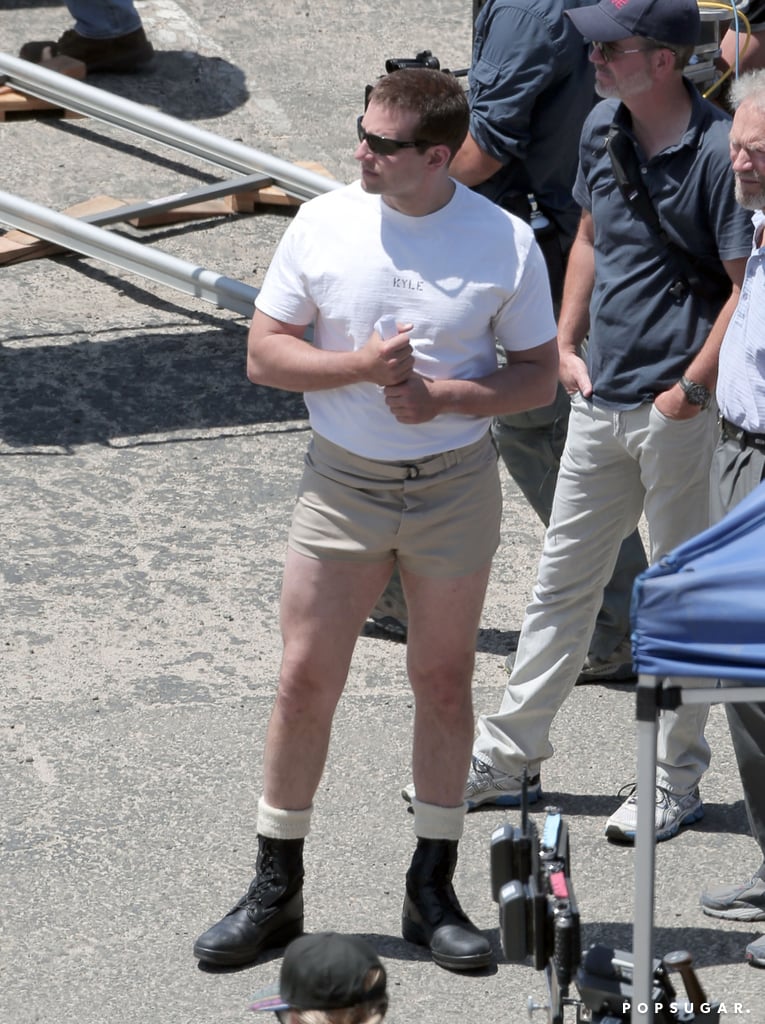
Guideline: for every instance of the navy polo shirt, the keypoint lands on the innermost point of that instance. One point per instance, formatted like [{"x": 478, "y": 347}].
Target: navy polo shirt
[
  {"x": 531, "y": 87},
  {"x": 641, "y": 337}
]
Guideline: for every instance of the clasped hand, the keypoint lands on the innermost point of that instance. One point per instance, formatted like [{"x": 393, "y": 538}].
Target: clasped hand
[
  {"x": 388, "y": 362},
  {"x": 390, "y": 365}
]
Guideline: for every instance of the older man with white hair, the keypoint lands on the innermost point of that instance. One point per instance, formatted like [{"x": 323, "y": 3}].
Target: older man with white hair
[{"x": 738, "y": 466}]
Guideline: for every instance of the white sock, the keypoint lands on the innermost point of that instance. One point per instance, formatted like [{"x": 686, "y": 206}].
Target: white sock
[
  {"x": 434, "y": 822},
  {"x": 275, "y": 823}
]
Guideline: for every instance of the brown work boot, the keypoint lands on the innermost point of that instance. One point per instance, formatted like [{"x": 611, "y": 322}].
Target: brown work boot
[{"x": 120, "y": 54}]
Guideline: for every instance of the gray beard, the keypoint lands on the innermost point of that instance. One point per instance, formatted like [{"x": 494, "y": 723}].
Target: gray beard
[{"x": 752, "y": 201}]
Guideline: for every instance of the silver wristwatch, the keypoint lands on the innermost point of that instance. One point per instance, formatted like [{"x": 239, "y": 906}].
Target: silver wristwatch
[{"x": 696, "y": 394}]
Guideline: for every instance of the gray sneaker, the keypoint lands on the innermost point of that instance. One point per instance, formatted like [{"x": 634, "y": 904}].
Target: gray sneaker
[
  {"x": 487, "y": 785},
  {"x": 616, "y": 668},
  {"x": 389, "y": 625},
  {"x": 755, "y": 952},
  {"x": 742, "y": 902},
  {"x": 672, "y": 811}
]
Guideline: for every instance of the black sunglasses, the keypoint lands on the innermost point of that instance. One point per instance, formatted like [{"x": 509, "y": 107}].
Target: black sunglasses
[
  {"x": 609, "y": 51},
  {"x": 382, "y": 146}
]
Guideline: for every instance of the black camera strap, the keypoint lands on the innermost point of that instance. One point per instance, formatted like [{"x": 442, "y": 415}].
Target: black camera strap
[{"x": 626, "y": 170}]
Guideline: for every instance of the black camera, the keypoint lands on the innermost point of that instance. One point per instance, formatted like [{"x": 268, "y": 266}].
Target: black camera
[
  {"x": 423, "y": 59},
  {"x": 538, "y": 914}
]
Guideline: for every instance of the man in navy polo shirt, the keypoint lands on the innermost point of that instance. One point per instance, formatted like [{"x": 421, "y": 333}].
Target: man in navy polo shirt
[{"x": 643, "y": 423}]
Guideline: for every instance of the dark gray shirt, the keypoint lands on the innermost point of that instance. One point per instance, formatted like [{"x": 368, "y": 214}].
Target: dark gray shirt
[
  {"x": 641, "y": 337},
  {"x": 531, "y": 87}
]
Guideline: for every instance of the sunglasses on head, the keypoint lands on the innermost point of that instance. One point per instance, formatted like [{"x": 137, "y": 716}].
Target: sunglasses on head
[{"x": 382, "y": 146}]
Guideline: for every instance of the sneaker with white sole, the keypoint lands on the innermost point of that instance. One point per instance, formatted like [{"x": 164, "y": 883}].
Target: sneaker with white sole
[
  {"x": 616, "y": 668},
  {"x": 755, "y": 952},
  {"x": 742, "y": 902},
  {"x": 487, "y": 785},
  {"x": 672, "y": 811}
]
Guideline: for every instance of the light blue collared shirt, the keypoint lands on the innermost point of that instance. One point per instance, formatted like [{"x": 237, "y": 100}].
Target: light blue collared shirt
[{"x": 741, "y": 377}]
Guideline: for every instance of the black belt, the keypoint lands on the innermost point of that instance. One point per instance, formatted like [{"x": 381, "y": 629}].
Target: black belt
[{"x": 731, "y": 432}]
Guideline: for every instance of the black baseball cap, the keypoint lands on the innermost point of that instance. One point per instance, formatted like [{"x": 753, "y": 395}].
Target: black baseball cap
[
  {"x": 323, "y": 971},
  {"x": 669, "y": 21}
]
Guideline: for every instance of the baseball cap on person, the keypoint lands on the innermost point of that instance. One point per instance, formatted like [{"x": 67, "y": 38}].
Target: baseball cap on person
[
  {"x": 669, "y": 21},
  {"x": 325, "y": 971}
]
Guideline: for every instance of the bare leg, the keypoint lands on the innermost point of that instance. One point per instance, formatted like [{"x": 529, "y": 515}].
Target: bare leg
[
  {"x": 443, "y": 621},
  {"x": 324, "y": 605}
]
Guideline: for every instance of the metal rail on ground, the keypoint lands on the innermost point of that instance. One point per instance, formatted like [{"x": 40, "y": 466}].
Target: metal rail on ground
[
  {"x": 126, "y": 254},
  {"x": 135, "y": 257}
]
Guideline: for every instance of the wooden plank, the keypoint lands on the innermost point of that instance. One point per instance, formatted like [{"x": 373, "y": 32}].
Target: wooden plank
[
  {"x": 14, "y": 104},
  {"x": 247, "y": 202},
  {"x": 17, "y": 246}
]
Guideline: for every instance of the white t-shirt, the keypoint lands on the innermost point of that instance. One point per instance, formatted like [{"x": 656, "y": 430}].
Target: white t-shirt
[{"x": 468, "y": 276}]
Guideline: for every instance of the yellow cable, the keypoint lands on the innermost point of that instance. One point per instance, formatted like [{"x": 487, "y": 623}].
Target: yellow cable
[{"x": 716, "y": 5}]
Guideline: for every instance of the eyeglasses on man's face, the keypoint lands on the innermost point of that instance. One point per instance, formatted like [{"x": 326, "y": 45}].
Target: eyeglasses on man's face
[
  {"x": 382, "y": 146},
  {"x": 610, "y": 51}
]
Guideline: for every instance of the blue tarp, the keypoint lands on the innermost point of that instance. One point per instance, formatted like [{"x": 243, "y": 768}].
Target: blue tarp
[{"x": 700, "y": 611}]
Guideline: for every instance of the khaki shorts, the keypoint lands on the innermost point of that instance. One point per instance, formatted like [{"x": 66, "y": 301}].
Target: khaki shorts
[{"x": 438, "y": 516}]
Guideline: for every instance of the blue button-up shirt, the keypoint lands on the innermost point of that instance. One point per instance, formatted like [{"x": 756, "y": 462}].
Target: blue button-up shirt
[{"x": 531, "y": 87}]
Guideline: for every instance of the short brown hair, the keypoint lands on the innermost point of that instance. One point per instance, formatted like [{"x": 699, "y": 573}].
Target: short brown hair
[
  {"x": 436, "y": 97},
  {"x": 682, "y": 53}
]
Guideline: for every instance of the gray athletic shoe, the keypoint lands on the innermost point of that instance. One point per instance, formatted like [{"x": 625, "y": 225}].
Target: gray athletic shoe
[
  {"x": 616, "y": 668},
  {"x": 487, "y": 785},
  {"x": 755, "y": 952},
  {"x": 742, "y": 902},
  {"x": 390, "y": 615},
  {"x": 672, "y": 811}
]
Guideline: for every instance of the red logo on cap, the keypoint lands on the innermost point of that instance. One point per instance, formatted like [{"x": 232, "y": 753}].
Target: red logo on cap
[{"x": 619, "y": 3}]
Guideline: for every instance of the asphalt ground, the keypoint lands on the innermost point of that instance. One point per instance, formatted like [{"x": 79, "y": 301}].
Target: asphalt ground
[{"x": 146, "y": 493}]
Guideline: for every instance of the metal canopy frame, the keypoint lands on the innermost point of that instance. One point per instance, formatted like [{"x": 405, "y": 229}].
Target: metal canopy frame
[
  {"x": 84, "y": 236},
  {"x": 651, "y": 697}
]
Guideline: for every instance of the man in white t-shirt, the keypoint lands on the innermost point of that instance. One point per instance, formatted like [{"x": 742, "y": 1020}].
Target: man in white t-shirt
[{"x": 401, "y": 470}]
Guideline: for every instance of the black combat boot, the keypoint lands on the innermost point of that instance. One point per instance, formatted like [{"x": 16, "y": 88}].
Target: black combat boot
[
  {"x": 432, "y": 915},
  {"x": 268, "y": 916}
]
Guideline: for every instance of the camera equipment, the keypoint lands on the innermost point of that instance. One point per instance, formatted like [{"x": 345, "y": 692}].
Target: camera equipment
[
  {"x": 605, "y": 984},
  {"x": 424, "y": 59},
  {"x": 539, "y": 920},
  {"x": 538, "y": 915}
]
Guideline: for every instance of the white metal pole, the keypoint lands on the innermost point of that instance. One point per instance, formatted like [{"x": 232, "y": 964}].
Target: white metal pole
[
  {"x": 645, "y": 850},
  {"x": 126, "y": 254},
  {"x": 85, "y": 99}
]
